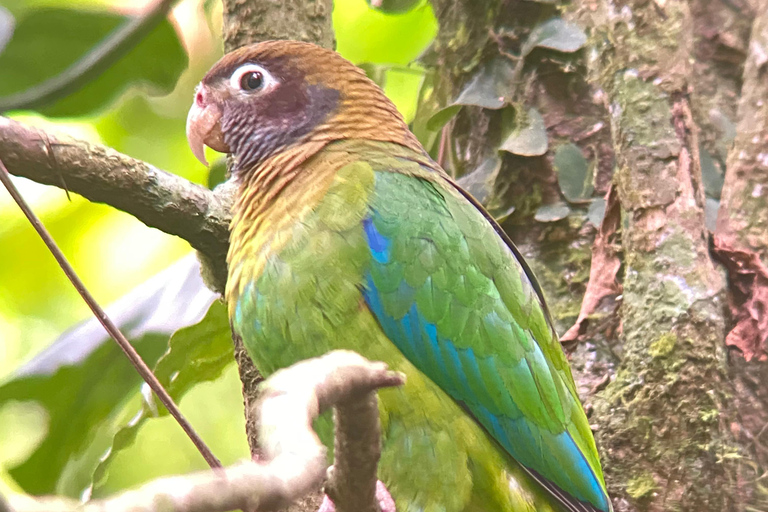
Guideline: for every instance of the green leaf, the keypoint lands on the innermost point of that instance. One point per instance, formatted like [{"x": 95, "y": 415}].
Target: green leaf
[
  {"x": 711, "y": 176},
  {"x": 596, "y": 211},
  {"x": 480, "y": 182},
  {"x": 83, "y": 379},
  {"x": 552, "y": 212},
  {"x": 368, "y": 35},
  {"x": 198, "y": 353},
  {"x": 574, "y": 174},
  {"x": 6, "y": 27},
  {"x": 491, "y": 87},
  {"x": 426, "y": 106},
  {"x": 528, "y": 135},
  {"x": 217, "y": 174},
  {"x": 555, "y": 34},
  {"x": 49, "y": 40}
]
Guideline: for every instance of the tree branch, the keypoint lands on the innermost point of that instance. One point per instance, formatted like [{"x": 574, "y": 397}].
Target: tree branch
[
  {"x": 92, "y": 64},
  {"x": 157, "y": 198},
  {"x": 290, "y": 402}
]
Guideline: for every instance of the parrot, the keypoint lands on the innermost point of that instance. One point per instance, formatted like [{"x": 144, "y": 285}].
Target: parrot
[{"x": 346, "y": 234}]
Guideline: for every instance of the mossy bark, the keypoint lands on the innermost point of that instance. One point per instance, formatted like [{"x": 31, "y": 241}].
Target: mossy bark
[
  {"x": 664, "y": 78},
  {"x": 667, "y": 416}
]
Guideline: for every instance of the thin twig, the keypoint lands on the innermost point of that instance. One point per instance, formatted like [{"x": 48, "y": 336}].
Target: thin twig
[
  {"x": 110, "y": 327},
  {"x": 92, "y": 64}
]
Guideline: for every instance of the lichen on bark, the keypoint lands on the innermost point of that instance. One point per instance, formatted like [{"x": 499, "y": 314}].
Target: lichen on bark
[{"x": 666, "y": 437}]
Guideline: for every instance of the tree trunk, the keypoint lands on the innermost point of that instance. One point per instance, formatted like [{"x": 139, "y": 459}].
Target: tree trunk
[{"x": 658, "y": 81}]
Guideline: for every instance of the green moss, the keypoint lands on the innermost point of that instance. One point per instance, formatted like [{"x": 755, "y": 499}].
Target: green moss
[
  {"x": 641, "y": 486},
  {"x": 663, "y": 346}
]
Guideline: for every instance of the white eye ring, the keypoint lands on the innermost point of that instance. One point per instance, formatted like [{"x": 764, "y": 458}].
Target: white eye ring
[{"x": 267, "y": 81}]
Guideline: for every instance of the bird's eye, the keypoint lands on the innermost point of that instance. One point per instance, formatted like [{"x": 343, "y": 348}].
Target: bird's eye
[
  {"x": 251, "y": 81},
  {"x": 251, "y": 78}
]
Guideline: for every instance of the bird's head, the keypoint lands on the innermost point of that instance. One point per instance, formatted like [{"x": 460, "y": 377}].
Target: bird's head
[{"x": 262, "y": 98}]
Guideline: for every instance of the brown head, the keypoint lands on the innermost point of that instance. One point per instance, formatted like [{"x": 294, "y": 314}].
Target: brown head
[{"x": 260, "y": 99}]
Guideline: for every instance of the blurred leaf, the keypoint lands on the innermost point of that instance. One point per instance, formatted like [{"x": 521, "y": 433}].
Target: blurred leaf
[
  {"x": 528, "y": 136},
  {"x": 574, "y": 174},
  {"x": 368, "y": 35},
  {"x": 544, "y": 1},
  {"x": 596, "y": 211},
  {"x": 83, "y": 379},
  {"x": 47, "y": 41},
  {"x": 426, "y": 105},
  {"x": 491, "y": 87},
  {"x": 217, "y": 173},
  {"x": 196, "y": 354},
  {"x": 711, "y": 207},
  {"x": 501, "y": 214},
  {"x": 376, "y": 72},
  {"x": 393, "y": 6},
  {"x": 403, "y": 86},
  {"x": 442, "y": 116},
  {"x": 555, "y": 34},
  {"x": 480, "y": 182},
  {"x": 552, "y": 212},
  {"x": 710, "y": 174},
  {"x": 6, "y": 27}
]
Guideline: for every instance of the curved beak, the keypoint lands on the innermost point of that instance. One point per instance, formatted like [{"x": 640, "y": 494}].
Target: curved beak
[{"x": 203, "y": 125}]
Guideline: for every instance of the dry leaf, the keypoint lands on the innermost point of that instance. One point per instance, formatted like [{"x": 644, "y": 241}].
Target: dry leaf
[
  {"x": 748, "y": 298},
  {"x": 604, "y": 268}
]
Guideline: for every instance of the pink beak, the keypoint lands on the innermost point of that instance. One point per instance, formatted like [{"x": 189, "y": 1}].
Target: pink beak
[{"x": 203, "y": 127}]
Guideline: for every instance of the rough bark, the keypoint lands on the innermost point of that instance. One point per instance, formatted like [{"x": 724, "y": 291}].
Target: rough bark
[
  {"x": 664, "y": 78},
  {"x": 666, "y": 434},
  {"x": 742, "y": 228}
]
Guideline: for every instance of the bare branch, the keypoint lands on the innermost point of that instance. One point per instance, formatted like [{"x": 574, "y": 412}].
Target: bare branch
[
  {"x": 92, "y": 64},
  {"x": 157, "y": 198},
  {"x": 290, "y": 402}
]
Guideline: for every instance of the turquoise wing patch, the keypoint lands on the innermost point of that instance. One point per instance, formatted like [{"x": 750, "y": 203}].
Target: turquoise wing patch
[{"x": 454, "y": 299}]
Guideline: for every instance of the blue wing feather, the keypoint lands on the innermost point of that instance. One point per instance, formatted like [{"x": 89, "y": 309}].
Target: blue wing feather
[{"x": 468, "y": 377}]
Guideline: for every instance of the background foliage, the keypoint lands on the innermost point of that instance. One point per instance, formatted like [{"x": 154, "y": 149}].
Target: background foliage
[{"x": 72, "y": 410}]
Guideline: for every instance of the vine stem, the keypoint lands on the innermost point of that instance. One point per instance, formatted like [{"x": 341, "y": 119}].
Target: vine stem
[{"x": 105, "y": 321}]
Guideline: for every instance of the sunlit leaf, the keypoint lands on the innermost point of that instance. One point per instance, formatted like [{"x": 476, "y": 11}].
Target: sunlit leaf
[
  {"x": 552, "y": 212},
  {"x": 48, "y": 40},
  {"x": 367, "y": 35},
  {"x": 6, "y": 27},
  {"x": 196, "y": 354},
  {"x": 83, "y": 379},
  {"x": 556, "y": 34},
  {"x": 574, "y": 174},
  {"x": 528, "y": 136},
  {"x": 427, "y": 105}
]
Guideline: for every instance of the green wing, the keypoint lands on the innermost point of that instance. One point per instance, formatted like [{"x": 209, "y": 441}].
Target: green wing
[{"x": 459, "y": 303}]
